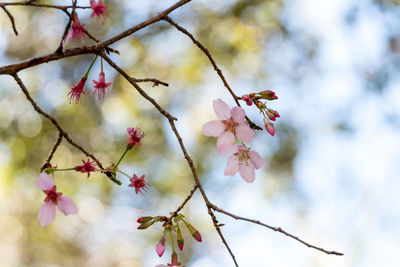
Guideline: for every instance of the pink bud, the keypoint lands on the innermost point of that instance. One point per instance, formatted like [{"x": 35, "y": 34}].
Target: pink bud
[
  {"x": 180, "y": 238},
  {"x": 144, "y": 219},
  {"x": 269, "y": 127},
  {"x": 270, "y": 115},
  {"x": 246, "y": 98},
  {"x": 268, "y": 95},
  {"x": 194, "y": 232},
  {"x": 249, "y": 103},
  {"x": 160, "y": 248},
  {"x": 145, "y": 225}
]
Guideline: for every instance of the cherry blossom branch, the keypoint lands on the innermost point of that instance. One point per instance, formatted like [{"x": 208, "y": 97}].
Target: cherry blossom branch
[
  {"x": 33, "y": 4},
  {"x": 276, "y": 229},
  {"x": 67, "y": 27},
  {"x": 212, "y": 61},
  {"x": 10, "y": 16},
  {"x": 171, "y": 120},
  {"x": 54, "y": 121},
  {"x": 96, "y": 48},
  {"x": 53, "y": 150}
]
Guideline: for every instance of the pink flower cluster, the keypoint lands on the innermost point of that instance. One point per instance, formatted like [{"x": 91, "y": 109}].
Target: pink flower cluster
[{"x": 231, "y": 126}]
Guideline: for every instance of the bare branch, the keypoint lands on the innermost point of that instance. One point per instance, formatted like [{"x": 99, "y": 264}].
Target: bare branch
[
  {"x": 276, "y": 229},
  {"x": 47, "y": 164},
  {"x": 10, "y": 16}
]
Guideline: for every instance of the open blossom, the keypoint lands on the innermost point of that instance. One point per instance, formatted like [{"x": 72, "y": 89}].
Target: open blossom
[
  {"x": 86, "y": 167},
  {"x": 99, "y": 8},
  {"x": 76, "y": 91},
  {"x": 101, "y": 86},
  {"x": 136, "y": 136},
  {"x": 77, "y": 30},
  {"x": 47, "y": 211},
  {"x": 245, "y": 161},
  {"x": 232, "y": 124},
  {"x": 138, "y": 183}
]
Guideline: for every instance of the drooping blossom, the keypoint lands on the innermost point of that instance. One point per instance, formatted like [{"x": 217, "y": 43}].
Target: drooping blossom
[
  {"x": 269, "y": 126},
  {"x": 77, "y": 30},
  {"x": 232, "y": 124},
  {"x": 77, "y": 91},
  {"x": 245, "y": 161},
  {"x": 53, "y": 198},
  {"x": 101, "y": 86},
  {"x": 87, "y": 167},
  {"x": 139, "y": 184},
  {"x": 160, "y": 248},
  {"x": 99, "y": 9},
  {"x": 136, "y": 136}
]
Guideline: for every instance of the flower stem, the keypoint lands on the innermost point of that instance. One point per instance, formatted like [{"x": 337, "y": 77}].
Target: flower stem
[
  {"x": 90, "y": 67},
  {"x": 119, "y": 161},
  {"x": 172, "y": 241},
  {"x": 101, "y": 61},
  {"x": 124, "y": 173},
  {"x": 60, "y": 170}
]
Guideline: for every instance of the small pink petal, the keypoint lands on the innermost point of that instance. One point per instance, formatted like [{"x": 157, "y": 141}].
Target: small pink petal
[
  {"x": 232, "y": 166},
  {"x": 247, "y": 172},
  {"x": 160, "y": 248},
  {"x": 66, "y": 205},
  {"x": 47, "y": 213},
  {"x": 213, "y": 128},
  {"x": 256, "y": 159},
  {"x": 225, "y": 141},
  {"x": 238, "y": 114},
  {"x": 244, "y": 133},
  {"x": 221, "y": 109},
  {"x": 45, "y": 182}
]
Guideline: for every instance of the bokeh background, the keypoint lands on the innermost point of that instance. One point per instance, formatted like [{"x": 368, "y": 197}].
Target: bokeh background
[{"x": 332, "y": 171}]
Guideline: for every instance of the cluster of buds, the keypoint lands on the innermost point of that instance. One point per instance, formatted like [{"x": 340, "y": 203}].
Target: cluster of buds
[
  {"x": 269, "y": 114},
  {"x": 170, "y": 227}
]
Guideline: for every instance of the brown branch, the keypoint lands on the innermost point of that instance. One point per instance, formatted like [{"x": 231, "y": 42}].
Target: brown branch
[
  {"x": 47, "y": 164},
  {"x": 10, "y": 16},
  {"x": 154, "y": 81},
  {"x": 32, "y": 4},
  {"x": 47, "y": 116},
  {"x": 96, "y": 48},
  {"x": 189, "y": 196},
  {"x": 216, "y": 68},
  {"x": 276, "y": 229},
  {"x": 171, "y": 121},
  {"x": 59, "y": 50}
]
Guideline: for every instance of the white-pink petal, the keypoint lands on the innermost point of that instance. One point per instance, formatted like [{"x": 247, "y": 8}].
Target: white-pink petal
[
  {"x": 225, "y": 141},
  {"x": 47, "y": 213},
  {"x": 45, "y": 182},
  {"x": 213, "y": 128},
  {"x": 256, "y": 159},
  {"x": 66, "y": 205},
  {"x": 247, "y": 172},
  {"x": 238, "y": 115},
  {"x": 244, "y": 133},
  {"x": 221, "y": 109},
  {"x": 232, "y": 166}
]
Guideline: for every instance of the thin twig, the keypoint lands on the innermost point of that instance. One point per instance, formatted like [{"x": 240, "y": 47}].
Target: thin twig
[
  {"x": 53, "y": 150},
  {"x": 216, "y": 68},
  {"x": 59, "y": 50},
  {"x": 64, "y": 133},
  {"x": 276, "y": 229},
  {"x": 10, "y": 16}
]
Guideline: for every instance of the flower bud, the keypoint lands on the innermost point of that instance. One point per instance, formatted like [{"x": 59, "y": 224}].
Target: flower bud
[
  {"x": 194, "y": 232},
  {"x": 144, "y": 219},
  {"x": 145, "y": 225},
  {"x": 270, "y": 115},
  {"x": 249, "y": 103},
  {"x": 269, "y": 127},
  {"x": 174, "y": 260},
  {"x": 180, "y": 238},
  {"x": 160, "y": 248},
  {"x": 246, "y": 98},
  {"x": 259, "y": 104},
  {"x": 268, "y": 95}
]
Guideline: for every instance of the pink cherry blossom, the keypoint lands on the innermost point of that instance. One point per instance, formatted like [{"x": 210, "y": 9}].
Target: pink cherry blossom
[
  {"x": 77, "y": 31},
  {"x": 231, "y": 125},
  {"x": 160, "y": 248},
  {"x": 76, "y": 91},
  {"x": 86, "y": 167},
  {"x": 101, "y": 86},
  {"x": 174, "y": 261},
  {"x": 47, "y": 211},
  {"x": 138, "y": 183},
  {"x": 245, "y": 161},
  {"x": 99, "y": 9}
]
